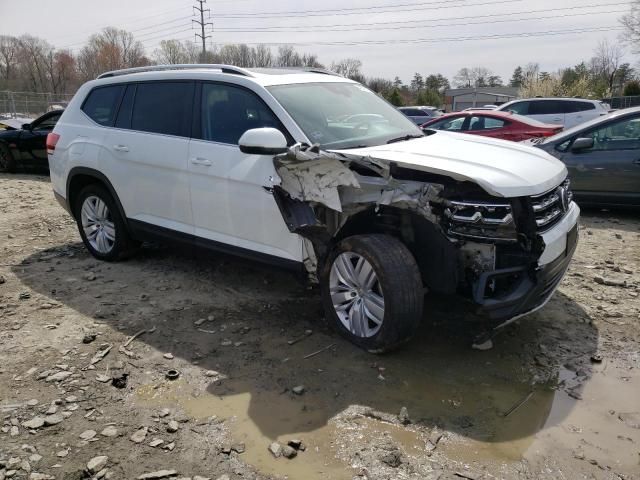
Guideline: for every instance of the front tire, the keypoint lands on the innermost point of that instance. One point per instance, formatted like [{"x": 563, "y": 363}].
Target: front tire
[
  {"x": 7, "y": 162},
  {"x": 372, "y": 291},
  {"x": 102, "y": 228}
]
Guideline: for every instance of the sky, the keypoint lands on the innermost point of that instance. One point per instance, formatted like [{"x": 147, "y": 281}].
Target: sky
[{"x": 390, "y": 37}]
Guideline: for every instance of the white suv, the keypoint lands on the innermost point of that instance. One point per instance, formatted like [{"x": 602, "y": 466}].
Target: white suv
[
  {"x": 560, "y": 111},
  {"x": 315, "y": 172}
]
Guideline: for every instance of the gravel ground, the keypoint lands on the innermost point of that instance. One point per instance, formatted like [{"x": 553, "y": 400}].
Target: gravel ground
[{"x": 87, "y": 349}]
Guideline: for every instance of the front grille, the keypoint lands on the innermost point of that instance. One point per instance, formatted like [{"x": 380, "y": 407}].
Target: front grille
[{"x": 549, "y": 208}]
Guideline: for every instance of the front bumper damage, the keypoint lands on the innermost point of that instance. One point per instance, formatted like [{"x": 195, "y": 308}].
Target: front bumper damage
[{"x": 321, "y": 194}]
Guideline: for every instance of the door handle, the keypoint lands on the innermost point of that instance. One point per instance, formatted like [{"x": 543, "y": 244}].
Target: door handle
[
  {"x": 121, "y": 148},
  {"x": 201, "y": 161}
]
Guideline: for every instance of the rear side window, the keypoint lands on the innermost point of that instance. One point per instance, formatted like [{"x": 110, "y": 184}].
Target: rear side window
[
  {"x": 521, "y": 108},
  {"x": 573, "y": 107},
  {"x": 163, "y": 107},
  {"x": 228, "y": 111},
  {"x": 485, "y": 123},
  {"x": 547, "y": 107},
  {"x": 102, "y": 103}
]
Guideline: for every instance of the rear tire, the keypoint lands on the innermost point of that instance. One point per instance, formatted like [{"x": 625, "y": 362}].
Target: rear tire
[
  {"x": 102, "y": 228},
  {"x": 372, "y": 291},
  {"x": 7, "y": 162}
]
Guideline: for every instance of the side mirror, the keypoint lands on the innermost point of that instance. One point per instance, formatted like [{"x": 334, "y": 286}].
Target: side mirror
[
  {"x": 27, "y": 126},
  {"x": 263, "y": 141},
  {"x": 580, "y": 144}
]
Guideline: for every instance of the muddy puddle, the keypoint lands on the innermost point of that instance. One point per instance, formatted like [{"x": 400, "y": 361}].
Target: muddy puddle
[{"x": 477, "y": 409}]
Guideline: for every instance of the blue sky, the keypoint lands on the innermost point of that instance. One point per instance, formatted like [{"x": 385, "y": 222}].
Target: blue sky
[{"x": 408, "y": 35}]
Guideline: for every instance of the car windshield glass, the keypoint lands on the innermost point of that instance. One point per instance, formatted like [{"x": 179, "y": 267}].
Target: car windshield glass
[{"x": 342, "y": 115}]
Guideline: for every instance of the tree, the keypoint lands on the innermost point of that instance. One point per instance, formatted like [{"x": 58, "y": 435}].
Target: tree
[
  {"x": 429, "y": 97},
  {"x": 605, "y": 64},
  {"x": 631, "y": 24},
  {"x": 494, "y": 81},
  {"x": 395, "y": 98},
  {"x": 417, "y": 82},
  {"x": 171, "y": 52},
  {"x": 632, "y": 88},
  {"x": 112, "y": 49},
  {"x": 380, "y": 85},
  {"x": 437, "y": 82},
  {"x": 9, "y": 47},
  {"x": 348, "y": 67},
  {"x": 517, "y": 78},
  {"x": 397, "y": 83},
  {"x": 463, "y": 78},
  {"x": 473, "y": 77}
]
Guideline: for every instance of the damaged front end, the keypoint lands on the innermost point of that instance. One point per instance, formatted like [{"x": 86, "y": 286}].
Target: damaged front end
[{"x": 464, "y": 240}]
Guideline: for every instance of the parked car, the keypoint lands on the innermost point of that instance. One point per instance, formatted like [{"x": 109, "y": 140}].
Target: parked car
[
  {"x": 419, "y": 115},
  {"x": 485, "y": 107},
  {"x": 561, "y": 111},
  {"x": 504, "y": 125},
  {"x": 249, "y": 163},
  {"x": 603, "y": 158},
  {"x": 27, "y": 145}
]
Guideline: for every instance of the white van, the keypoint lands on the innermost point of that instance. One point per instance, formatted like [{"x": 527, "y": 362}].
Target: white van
[{"x": 559, "y": 111}]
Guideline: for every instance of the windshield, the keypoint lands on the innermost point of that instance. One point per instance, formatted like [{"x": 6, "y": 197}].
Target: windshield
[{"x": 342, "y": 115}]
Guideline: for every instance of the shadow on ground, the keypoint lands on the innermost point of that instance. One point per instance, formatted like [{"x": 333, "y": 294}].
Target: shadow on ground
[{"x": 256, "y": 310}]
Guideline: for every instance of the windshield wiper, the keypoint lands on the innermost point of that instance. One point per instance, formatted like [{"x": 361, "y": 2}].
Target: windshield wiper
[{"x": 404, "y": 138}]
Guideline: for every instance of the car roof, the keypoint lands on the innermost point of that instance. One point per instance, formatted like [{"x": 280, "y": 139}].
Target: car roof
[
  {"x": 564, "y": 99},
  {"x": 479, "y": 111},
  {"x": 594, "y": 123},
  {"x": 260, "y": 76}
]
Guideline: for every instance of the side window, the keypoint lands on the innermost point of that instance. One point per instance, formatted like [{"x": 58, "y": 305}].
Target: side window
[
  {"x": 546, "y": 107},
  {"x": 163, "y": 107},
  {"x": 521, "y": 108},
  {"x": 449, "y": 124},
  {"x": 102, "y": 103},
  {"x": 621, "y": 135},
  {"x": 485, "y": 123},
  {"x": 574, "y": 107},
  {"x": 228, "y": 111},
  {"x": 48, "y": 123}
]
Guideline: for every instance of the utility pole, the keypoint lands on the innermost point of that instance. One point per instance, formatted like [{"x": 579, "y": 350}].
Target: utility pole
[{"x": 202, "y": 24}]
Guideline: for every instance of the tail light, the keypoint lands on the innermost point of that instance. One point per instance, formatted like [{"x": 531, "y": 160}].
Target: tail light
[{"x": 52, "y": 140}]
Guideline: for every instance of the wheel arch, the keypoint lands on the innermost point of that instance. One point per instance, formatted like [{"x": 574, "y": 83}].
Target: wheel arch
[{"x": 80, "y": 177}]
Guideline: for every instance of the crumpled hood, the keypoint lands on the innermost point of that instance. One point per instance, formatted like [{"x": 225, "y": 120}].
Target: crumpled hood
[{"x": 502, "y": 168}]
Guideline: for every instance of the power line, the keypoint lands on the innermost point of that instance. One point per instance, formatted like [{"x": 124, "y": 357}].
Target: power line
[
  {"x": 445, "y": 39},
  {"x": 350, "y": 26},
  {"x": 407, "y": 7}
]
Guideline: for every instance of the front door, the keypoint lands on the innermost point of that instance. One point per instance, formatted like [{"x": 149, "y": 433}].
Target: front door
[
  {"x": 612, "y": 167},
  {"x": 231, "y": 200},
  {"x": 32, "y": 145}
]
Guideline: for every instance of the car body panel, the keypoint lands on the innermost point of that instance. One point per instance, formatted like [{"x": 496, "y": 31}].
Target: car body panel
[
  {"x": 515, "y": 127},
  {"x": 608, "y": 176},
  {"x": 563, "y": 111},
  {"x": 504, "y": 169}
]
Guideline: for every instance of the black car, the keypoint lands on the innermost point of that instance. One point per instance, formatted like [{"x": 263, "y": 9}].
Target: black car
[
  {"x": 603, "y": 158},
  {"x": 27, "y": 146}
]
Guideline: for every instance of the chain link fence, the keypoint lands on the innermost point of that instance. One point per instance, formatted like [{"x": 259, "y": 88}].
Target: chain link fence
[
  {"x": 623, "y": 102},
  {"x": 30, "y": 104}
]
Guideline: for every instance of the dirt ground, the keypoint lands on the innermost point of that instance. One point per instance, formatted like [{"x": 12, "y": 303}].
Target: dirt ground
[{"x": 557, "y": 397}]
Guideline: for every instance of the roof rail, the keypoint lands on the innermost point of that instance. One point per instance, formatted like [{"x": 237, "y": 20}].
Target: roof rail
[
  {"x": 324, "y": 71},
  {"x": 181, "y": 66}
]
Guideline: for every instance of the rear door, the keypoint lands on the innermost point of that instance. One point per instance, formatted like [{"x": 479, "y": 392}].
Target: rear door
[
  {"x": 230, "y": 203},
  {"x": 145, "y": 154},
  {"x": 611, "y": 169},
  {"x": 579, "y": 112},
  {"x": 547, "y": 111}
]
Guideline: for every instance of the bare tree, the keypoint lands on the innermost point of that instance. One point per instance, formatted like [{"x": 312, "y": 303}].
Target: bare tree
[
  {"x": 262, "y": 56},
  {"x": 172, "y": 52},
  {"x": 631, "y": 24},
  {"x": 9, "y": 47},
  {"x": 112, "y": 49},
  {"x": 473, "y": 77},
  {"x": 348, "y": 67},
  {"x": 288, "y": 57},
  {"x": 32, "y": 54},
  {"x": 606, "y": 62}
]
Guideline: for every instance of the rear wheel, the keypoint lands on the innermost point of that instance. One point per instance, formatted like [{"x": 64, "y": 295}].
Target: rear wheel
[
  {"x": 7, "y": 162},
  {"x": 372, "y": 291},
  {"x": 101, "y": 226}
]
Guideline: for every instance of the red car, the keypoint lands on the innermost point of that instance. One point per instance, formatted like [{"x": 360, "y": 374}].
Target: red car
[{"x": 504, "y": 125}]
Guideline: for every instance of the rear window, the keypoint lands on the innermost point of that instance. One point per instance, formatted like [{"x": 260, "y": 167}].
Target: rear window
[
  {"x": 521, "y": 108},
  {"x": 528, "y": 120},
  {"x": 102, "y": 103},
  {"x": 163, "y": 107}
]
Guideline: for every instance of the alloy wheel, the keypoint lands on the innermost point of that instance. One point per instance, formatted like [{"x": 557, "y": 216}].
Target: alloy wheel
[
  {"x": 356, "y": 294},
  {"x": 97, "y": 224}
]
